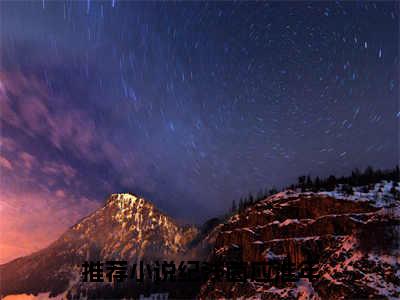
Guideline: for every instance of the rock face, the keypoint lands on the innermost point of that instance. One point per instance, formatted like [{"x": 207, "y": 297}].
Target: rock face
[
  {"x": 125, "y": 228},
  {"x": 355, "y": 246},
  {"x": 353, "y": 241}
]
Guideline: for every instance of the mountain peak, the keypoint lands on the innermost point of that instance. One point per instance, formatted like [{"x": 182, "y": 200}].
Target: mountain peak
[
  {"x": 347, "y": 235},
  {"x": 127, "y": 199}
]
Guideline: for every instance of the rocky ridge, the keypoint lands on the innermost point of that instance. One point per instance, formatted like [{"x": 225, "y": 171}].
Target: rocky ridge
[
  {"x": 353, "y": 239},
  {"x": 355, "y": 243}
]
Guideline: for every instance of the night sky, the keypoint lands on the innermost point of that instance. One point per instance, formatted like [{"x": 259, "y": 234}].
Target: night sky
[{"x": 190, "y": 105}]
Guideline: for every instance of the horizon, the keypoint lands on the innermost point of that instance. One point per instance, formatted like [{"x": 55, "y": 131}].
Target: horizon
[
  {"x": 190, "y": 105},
  {"x": 180, "y": 222}
]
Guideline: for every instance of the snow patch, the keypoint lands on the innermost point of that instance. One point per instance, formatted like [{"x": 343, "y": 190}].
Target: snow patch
[{"x": 289, "y": 221}]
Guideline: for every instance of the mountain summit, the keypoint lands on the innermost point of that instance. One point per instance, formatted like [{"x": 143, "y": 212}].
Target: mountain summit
[
  {"x": 127, "y": 227},
  {"x": 353, "y": 240}
]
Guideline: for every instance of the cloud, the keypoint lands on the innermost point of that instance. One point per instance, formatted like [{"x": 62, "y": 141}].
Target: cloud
[
  {"x": 27, "y": 159},
  {"x": 5, "y": 163},
  {"x": 60, "y": 193},
  {"x": 28, "y": 105},
  {"x": 7, "y": 144},
  {"x": 53, "y": 168},
  {"x": 43, "y": 195}
]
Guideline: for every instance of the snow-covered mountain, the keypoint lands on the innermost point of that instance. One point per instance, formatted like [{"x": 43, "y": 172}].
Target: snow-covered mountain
[
  {"x": 354, "y": 241},
  {"x": 353, "y": 238},
  {"x": 125, "y": 228}
]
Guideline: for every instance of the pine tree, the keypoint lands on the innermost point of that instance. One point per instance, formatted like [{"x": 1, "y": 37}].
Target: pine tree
[
  {"x": 369, "y": 174},
  {"x": 347, "y": 189},
  {"x": 241, "y": 205},
  {"x": 234, "y": 208},
  {"x": 260, "y": 195},
  {"x": 331, "y": 183},
  {"x": 273, "y": 191},
  {"x": 317, "y": 184},
  {"x": 309, "y": 182},
  {"x": 301, "y": 181},
  {"x": 250, "y": 199},
  {"x": 355, "y": 177}
]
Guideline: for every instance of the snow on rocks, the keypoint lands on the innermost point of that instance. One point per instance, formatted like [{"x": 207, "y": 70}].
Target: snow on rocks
[{"x": 289, "y": 221}]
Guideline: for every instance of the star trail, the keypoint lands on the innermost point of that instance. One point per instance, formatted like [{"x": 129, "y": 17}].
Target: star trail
[{"x": 189, "y": 104}]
